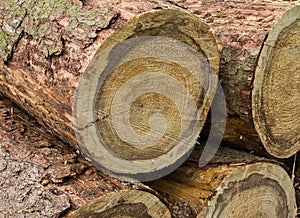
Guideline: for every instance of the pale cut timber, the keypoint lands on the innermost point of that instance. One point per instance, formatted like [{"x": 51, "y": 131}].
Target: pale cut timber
[
  {"x": 233, "y": 184},
  {"x": 276, "y": 88},
  {"x": 130, "y": 203},
  {"x": 42, "y": 78},
  {"x": 241, "y": 29}
]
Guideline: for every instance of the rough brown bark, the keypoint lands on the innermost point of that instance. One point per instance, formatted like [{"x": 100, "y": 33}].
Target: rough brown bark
[
  {"x": 42, "y": 177},
  {"x": 40, "y": 80},
  {"x": 233, "y": 184}
]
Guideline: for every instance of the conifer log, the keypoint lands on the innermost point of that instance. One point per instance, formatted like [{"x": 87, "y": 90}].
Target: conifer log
[
  {"x": 233, "y": 184},
  {"x": 143, "y": 95},
  {"x": 259, "y": 71}
]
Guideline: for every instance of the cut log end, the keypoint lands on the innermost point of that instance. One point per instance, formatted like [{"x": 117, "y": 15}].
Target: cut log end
[
  {"x": 276, "y": 93},
  {"x": 124, "y": 204},
  {"x": 143, "y": 99},
  {"x": 255, "y": 190}
]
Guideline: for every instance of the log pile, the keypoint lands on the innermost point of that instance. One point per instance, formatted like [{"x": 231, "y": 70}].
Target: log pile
[{"x": 131, "y": 91}]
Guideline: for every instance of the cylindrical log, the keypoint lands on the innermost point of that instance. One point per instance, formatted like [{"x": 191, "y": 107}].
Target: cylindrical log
[
  {"x": 233, "y": 184},
  {"x": 41, "y": 177},
  {"x": 142, "y": 99},
  {"x": 262, "y": 99},
  {"x": 132, "y": 203}
]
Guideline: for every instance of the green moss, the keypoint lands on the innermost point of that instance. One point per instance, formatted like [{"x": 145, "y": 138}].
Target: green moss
[{"x": 41, "y": 19}]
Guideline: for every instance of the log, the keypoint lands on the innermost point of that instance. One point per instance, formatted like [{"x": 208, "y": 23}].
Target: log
[
  {"x": 150, "y": 77},
  {"x": 124, "y": 204},
  {"x": 140, "y": 103},
  {"x": 261, "y": 89},
  {"x": 233, "y": 184},
  {"x": 42, "y": 177}
]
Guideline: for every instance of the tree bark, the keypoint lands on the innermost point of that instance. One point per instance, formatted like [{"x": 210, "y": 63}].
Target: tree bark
[
  {"x": 48, "y": 51},
  {"x": 262, "y": 103},
  {"x": 233, "y": 184},
  {"x": 42, "y": 177}
]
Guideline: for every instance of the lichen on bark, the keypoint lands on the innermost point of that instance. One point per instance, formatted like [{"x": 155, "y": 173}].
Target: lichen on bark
[
  {"x": 50, "y": 22},
  {"x": 237, "y": 77}
]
